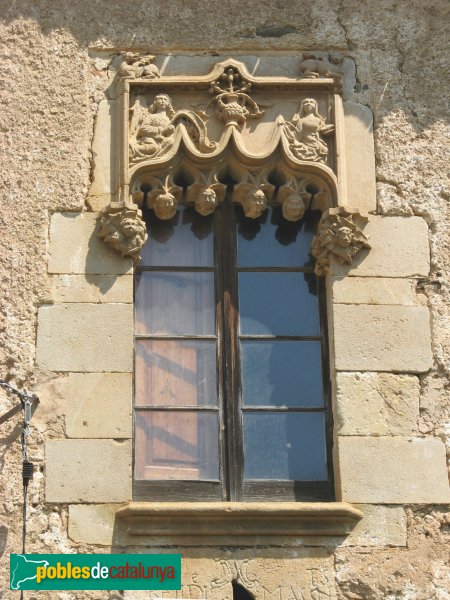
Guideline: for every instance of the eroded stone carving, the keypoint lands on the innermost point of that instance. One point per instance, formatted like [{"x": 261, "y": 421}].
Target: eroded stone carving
[
  {"x": 339, "y": 237},
  {"x": 313, "y": 67},
  {"x": 124, "y": 230},
  {"x": 294, "y": 199},
  {"x": 253, "y": 193},
  {"x": 152, "y": 128},
  {"x": 163, "y": 197},
  {"x": 134, "y": 65},
  {"x": 304, "y": 132},
  {"x": 233, "y": 570},
  {"x": 206, "y": 193},
  {"x": 163, "y": 145},
  {"x": 234, "y": 105}
]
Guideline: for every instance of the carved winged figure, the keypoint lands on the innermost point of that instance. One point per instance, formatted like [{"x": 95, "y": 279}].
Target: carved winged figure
[
  {"x": 152, "y": 128},
  {"x": 304, "y": 132}
]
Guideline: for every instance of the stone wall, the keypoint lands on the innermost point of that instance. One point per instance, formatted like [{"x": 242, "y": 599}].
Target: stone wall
[{"x": 66, "y": 314}]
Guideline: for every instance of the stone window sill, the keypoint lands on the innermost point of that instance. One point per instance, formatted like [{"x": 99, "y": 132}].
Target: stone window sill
[{"x": 235, "y": 523}]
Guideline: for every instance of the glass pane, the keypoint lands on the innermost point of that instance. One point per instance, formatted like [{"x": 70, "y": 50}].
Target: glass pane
[
  {"x": 278, "y": 304},
  {"x": 175, "y": 303},
  {"x": 184, "y": 241},
  {"x": 285, "y": 446},
  {"x": 176, "y": 373},
  {"x": 177, "y": 445},
  {"x": 271, "y": 241},
  {"x": 282, "y": 374}
]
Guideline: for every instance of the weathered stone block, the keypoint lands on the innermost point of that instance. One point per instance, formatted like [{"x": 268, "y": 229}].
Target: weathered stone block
[
  {"x": 372, "y": 290},
  {"x": 267, "y": 574},
  {"x": 359, "y": 157},
  {"x": 399, "y": 248},
  {"x": 392, "y": 470},
  {"x": 103, "y": 152},
  {"x": 97, "y": 405},
  {"x": 85, "y": 337},
  {"x": 382, "y": 338},
  {"x": 75, "y": 247},
  {"x": 380, "y": 526},
  {"x": 92, "y": 288},
  {"x": 376, "y": 404},
  {"x": 87, "y": 471},
  {"x": 92, "y": 523}
]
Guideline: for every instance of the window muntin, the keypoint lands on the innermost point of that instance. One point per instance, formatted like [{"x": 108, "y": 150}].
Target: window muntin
[{"x": 255, "y": 425}]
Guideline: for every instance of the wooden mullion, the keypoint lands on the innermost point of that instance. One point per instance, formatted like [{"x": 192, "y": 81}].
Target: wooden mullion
[
  {"x": 326, "y": 379},
  {"x": 231, "y": 366}
]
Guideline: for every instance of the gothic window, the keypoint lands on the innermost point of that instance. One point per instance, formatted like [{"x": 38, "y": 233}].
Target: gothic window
[
  {"x": 231, "y": 383},
  {"x": 233, "y": 172}
]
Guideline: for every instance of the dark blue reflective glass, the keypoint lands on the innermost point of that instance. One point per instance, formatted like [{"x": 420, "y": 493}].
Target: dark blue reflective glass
[
  {"x": 184, "y": 241},
  {"x": 282, "y": 373},
  {"x": 285, "y": 446},
  {"x": 271, "y": 241},
  {"x": 277, "y": 303}
]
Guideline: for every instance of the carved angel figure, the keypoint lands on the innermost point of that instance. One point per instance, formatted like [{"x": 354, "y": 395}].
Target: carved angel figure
[
  {"x": 305, "y": 130},
  {"x": 151, "y": 129}
]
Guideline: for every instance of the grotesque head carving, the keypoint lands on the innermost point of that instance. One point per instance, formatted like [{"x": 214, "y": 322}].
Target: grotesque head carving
[
  {"x": 293, "y": 207},
  {"x": 206, "y": 202},
  {"x": 254, "y": 203},
  {"x": 165, "y": 206}
]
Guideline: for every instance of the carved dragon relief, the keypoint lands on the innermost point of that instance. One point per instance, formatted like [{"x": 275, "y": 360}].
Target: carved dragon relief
[{"x": 187, "y": 138}]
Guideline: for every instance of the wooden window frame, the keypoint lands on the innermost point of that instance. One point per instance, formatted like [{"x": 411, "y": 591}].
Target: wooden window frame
[{"x": 231, "y": 486}]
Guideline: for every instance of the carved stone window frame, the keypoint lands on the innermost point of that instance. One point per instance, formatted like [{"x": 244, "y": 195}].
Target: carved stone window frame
[
  {"x": 339, "y": 238},
  {"x": 295, "y": 161}
]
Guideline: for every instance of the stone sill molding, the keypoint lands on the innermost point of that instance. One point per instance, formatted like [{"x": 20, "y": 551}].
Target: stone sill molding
[{"x": 243, "y": 522}]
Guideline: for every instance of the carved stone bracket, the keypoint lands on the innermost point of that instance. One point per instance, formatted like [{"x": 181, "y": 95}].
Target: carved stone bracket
[
  {"x": 253, "y": 193},
  {"x": 206, "y": 192},
  {"x": 294, "y": 199},
  {"x": 124, "y": 230},
  {"x": 339, "y": 237}
]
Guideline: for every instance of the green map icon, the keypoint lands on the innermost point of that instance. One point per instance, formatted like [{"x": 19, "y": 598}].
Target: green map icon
[{"x": 23, "y": 569}]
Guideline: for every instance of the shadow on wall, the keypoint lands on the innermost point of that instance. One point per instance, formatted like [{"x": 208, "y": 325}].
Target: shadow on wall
[{"x": 406, "y": 42}]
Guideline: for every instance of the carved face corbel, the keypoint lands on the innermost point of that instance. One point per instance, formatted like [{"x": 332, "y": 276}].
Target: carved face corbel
[{"x": 339, "y": 238}]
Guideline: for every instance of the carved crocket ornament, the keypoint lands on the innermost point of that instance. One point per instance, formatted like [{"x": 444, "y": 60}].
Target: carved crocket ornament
[{"x": 338, "y": 237}]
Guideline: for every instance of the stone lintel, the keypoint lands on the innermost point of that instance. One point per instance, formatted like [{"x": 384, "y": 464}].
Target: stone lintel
[{"x": 243, "y": 523}]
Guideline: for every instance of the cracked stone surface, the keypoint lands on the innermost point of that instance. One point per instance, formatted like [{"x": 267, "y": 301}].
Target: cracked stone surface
[{"x": 55, "y": 57}]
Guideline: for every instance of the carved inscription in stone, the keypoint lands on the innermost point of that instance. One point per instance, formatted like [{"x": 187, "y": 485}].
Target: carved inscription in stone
[{"x": 307, "y": 575}]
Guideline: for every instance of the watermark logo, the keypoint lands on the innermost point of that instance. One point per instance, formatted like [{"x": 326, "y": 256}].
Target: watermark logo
[{"x": 95, "y": 571}]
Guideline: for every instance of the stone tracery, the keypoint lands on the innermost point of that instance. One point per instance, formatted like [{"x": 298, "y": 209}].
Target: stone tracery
[{"x": 179, "y": 145}]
